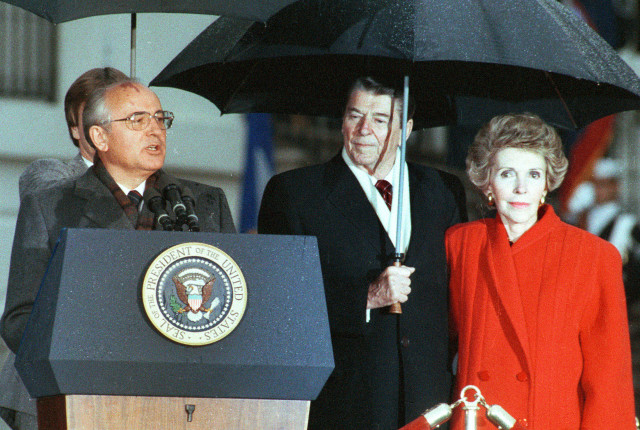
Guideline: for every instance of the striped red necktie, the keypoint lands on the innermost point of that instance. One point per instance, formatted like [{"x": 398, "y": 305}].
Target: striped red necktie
[
  {"x": 135, "y": 198},
  {"x": 386, "y": 191}
]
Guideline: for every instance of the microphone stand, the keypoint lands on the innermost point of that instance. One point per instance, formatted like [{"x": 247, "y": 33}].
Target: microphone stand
[
  {"x": 181, "y": 201},
  {"x": 190, "y": 205},
  {"x": 171, "y": 192}
]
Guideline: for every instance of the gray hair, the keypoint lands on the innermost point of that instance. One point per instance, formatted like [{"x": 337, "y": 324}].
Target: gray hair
[
  {"x": 82, "y": 88},
  {"x": 96, "y": 111},
  {"x": 523, "y": 131}
]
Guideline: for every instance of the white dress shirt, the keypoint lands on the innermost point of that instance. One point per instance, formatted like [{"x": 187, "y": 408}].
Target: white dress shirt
[
  {"x": 388, "y": 218},
  {"x": 139, "y": 188}
]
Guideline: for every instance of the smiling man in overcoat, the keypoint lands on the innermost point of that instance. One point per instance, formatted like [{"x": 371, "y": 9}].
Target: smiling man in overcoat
[{"x": 389, "y": 368}]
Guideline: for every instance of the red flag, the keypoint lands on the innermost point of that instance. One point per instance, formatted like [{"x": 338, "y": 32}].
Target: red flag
[{"x": 590, "y": 145}]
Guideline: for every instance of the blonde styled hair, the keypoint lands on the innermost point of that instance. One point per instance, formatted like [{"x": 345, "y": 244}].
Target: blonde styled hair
[{"x": 523, "y": 131}]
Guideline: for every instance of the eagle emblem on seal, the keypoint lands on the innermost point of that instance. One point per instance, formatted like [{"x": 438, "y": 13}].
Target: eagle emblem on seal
[{"x": 194, "y": 296}]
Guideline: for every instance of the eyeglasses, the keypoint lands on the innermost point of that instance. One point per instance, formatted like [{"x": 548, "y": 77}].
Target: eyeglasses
[{"x": 141, "y": 120}]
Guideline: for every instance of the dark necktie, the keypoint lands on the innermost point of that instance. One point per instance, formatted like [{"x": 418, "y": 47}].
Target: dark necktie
[
  {"x": 135, "y": 198},
  {"x": 386, "y": 191}
]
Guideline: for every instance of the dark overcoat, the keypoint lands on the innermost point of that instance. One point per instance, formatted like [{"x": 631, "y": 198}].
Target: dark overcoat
[
  {"x": 84, "y": 203},
  {"x": 391, "y": 369}
]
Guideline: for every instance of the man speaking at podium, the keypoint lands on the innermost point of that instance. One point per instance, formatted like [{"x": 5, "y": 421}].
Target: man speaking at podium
[{"x": 127, "y": 126}]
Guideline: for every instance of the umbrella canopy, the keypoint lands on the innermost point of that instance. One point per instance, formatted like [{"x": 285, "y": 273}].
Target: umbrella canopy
[
  {"x": 58, "y": 11},
  {"x": 467, "y": 60}
]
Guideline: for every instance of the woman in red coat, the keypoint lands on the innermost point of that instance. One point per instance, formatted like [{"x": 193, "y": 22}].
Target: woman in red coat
[{"x": 537, "y": 305}]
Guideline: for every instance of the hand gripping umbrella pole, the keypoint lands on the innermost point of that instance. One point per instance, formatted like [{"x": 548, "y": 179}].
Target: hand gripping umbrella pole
[
  {"x": 398, "y": 257},
  {"x": 441, "y": 413}
]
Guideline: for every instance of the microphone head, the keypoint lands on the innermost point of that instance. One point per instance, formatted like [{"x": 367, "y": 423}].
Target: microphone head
[
  {"x": 166, "y": 180},
  {"x": 187, "y": 194},
  {"x": 153, "y": 199},
  {"x": 156, "y": 203},
  {"x": 172, "y": 192},
  {"x": 150, "y": 193}
]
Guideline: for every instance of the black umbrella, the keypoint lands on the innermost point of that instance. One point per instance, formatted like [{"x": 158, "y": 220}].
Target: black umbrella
[
  {"x": 467, "y": 60},
  {"x": 59, "y": 11}
]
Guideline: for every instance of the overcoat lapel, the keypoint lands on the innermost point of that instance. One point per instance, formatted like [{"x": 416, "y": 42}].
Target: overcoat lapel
[
  {"x": 349, "y": 200},
  {"x": 101, "y": 209},
  {"x": 505, "y": 286}
]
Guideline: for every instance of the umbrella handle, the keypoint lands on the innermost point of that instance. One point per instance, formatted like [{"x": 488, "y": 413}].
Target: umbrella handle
[{"x": 396, "y": 308}]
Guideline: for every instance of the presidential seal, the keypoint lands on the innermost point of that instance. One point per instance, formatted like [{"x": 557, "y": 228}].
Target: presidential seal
[{"x": 194, "y": 294}]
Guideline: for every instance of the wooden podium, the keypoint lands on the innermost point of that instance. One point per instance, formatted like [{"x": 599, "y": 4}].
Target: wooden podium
[
  {"x": 94, "y": 360},
  {"x": 91, "y": 412}
]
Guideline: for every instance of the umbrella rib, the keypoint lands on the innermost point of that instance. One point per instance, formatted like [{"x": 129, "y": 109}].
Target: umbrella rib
[
  {"x": 365, "y": 31},
  {"x": 232, "y": 53},
  {"x": 562, "y": 100}
]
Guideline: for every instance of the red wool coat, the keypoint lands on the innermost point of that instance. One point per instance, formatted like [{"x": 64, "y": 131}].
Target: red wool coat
[{"x": 541, "y": 325}]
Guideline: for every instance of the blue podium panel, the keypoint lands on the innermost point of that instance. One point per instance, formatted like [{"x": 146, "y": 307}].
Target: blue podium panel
[{"x": 89, "y": 332}]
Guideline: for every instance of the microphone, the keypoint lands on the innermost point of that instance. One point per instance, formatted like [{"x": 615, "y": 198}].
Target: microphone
[
  {"x": 155, "y": 202},
  {"x": 190, "y": 205},
  {"x": 171, "y": 192}
]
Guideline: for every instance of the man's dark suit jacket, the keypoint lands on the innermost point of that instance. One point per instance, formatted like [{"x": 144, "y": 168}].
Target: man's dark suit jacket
[
  {"x": 38, "y": 175},
  {"x": 85, "y": 202},
  {"x": 392, "y": 369}
]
